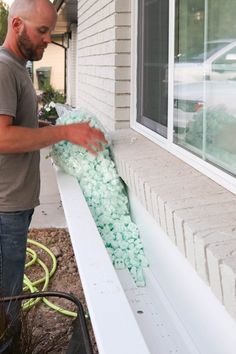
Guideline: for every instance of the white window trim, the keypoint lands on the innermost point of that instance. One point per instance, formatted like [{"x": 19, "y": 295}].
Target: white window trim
[{"x": 217, "y": 175}]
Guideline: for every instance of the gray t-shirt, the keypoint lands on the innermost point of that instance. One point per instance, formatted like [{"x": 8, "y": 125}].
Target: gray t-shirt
[{"x": 19, "y": 172}]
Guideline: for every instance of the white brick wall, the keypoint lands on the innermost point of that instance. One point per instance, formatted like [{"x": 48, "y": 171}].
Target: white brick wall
[
  {"x": 72, "y": 68},
  {"x": 197, "y": 214},
  {"x": 103, "y": 60}
]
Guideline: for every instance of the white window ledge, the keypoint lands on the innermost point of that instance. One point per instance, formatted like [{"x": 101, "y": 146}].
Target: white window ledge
[{"x": 197, "y": 214}]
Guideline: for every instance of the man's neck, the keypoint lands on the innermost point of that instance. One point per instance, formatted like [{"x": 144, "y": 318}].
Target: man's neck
[{"x": 14, "y": 49}]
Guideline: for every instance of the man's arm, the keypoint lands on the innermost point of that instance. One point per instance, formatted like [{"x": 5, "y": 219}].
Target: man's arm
[{"x": 14, "y": 139}]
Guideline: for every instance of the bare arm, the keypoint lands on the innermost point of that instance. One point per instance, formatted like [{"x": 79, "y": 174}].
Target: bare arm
[{"x": 14, "y": 139}]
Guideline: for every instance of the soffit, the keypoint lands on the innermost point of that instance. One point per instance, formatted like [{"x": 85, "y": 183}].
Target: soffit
[{"x": 67, "y": 14}]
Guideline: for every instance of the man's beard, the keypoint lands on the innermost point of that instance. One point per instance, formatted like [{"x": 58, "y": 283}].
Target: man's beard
[{"x": 27, "y": 48}]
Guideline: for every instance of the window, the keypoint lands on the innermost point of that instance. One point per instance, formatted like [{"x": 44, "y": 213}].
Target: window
[
  {"x": 204, "y": 76},
  {"x": 205, "y": 80},
  {"x": 153, "y": 65}
]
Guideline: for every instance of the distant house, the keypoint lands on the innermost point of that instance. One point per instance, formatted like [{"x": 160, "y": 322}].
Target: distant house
[
  {"x": 141, "y": 66},
  {"x": 54, "y": 61}
]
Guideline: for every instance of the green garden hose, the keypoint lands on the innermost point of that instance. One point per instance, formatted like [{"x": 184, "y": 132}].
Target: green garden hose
[
  {"x": 80, "y": 342},
  {"x": 31, "y": 286}
]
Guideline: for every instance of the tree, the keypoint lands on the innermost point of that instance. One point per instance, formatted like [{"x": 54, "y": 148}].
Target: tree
[{"x": 3, "y": 20}]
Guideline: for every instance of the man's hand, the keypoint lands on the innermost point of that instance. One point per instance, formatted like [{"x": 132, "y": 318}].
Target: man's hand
[
  {"x": 15, "y": 139},
  {"x": 91, "y": 139}
]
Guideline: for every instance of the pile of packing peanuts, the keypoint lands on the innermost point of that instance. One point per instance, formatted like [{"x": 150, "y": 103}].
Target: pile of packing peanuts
[{"x": 105, "y": 194}]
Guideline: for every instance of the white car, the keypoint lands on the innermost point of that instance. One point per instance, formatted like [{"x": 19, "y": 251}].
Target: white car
[
  {"x": 190, "y": 98},
  {"x": 218, "y": 63}
]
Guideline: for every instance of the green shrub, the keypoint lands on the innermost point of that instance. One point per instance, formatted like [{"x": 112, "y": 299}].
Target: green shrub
[
  {"x": 52, "y": 95},
  {"x": 216, "y": 118},
  {"x": 48, "y": 99}
]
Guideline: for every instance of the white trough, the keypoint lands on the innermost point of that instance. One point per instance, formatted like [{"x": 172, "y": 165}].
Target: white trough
[{"x": 175, "y": 313}]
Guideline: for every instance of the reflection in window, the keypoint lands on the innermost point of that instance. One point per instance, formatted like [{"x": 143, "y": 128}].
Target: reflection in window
[
  {"x": 205, "y": 80},
  {"x": 153, "y": 65}
]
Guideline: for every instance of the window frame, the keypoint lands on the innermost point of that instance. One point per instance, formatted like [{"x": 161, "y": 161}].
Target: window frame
[{"x": 216, "y": 174}]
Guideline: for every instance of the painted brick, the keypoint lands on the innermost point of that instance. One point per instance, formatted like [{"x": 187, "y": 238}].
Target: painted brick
[
  {"x": 121, "y": 125},
  {"x": 122, "y": 100},
  {"x": 153, "y": 174},
  {"x": 99, "y": 60},
  {"x": 144, "y": 167},
  {"x": 95, "y": 16},
  {"x": 87, "y": 5},
  {"x": 201, "y": 200},
  {"x": 104, "y": 38},
  {"x": 122, "y": 60},
  {"x": 228, "y": 275},
  {"x": 181, "y": 187},
  {"x": 206, "y": 210},
  {"x": 161, "y": 205},
  {"x": 122, "y": 73},
  {"x": 123, "y": 46},
  {"x": 123, "y": 137},
  {"x": 215, "y": 222},
  {"x": 122, "y": 114},
  {"x": 130, "y": 178},
  {"x": 122, "y": 170},
  {"x": 139, "y": 186},
  {"x": 98, "y": 83},
  {"x": 170, "y": 222},
  {"x": 173, "y": 206},
  {"x": 215, "y": 254},
  {"x": 122, "y": 19},
  {"x": 183, "y": 216},
  {"x": 179, "y": 236},
  {"x": 175, "y": 189},
  {"x": 201, "y": 240},
  {"x": 155, "y": 207},
  {"x": 122, "y": 32},
  {"x": 98, "y": 48},
  {"x": 123, "y": 5},
  {"x": 126, "y": 169},
  {"x": 147, "y": 201},
  {"x": 138, "y": 182},
  {"x": 141, "y": 192},
  {"x": 122, "y": 86},
  {"x": 148, "y": 198}
]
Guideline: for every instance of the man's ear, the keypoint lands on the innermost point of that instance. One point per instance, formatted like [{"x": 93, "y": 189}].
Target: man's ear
[{"x": 17, "y": 24}]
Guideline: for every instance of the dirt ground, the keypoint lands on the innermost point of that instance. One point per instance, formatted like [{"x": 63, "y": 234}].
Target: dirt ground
[{"x": 49, "y": 325}]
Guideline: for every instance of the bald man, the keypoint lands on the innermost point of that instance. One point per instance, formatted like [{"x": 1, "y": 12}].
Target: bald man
[{"x": 30, "y": 25}]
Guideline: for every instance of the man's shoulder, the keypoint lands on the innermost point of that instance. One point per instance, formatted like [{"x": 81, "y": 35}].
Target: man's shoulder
[
  {"x": 5, "y": 59},
  {"x": 9, "y": 60},
  {"x": 6, "y": 67}
]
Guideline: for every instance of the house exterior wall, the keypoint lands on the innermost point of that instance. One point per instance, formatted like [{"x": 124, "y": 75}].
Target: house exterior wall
[
  {"x": 54, "y": 57},
  {"x": 197, "y": 214},
  {"x": 103, "y": 59},
  {"x": 72, "y": 68}
]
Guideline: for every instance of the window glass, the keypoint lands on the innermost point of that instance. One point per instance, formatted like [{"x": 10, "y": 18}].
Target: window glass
[
  {"x": 153, "y": 65},
  {"x": 205, "y": 80}
]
